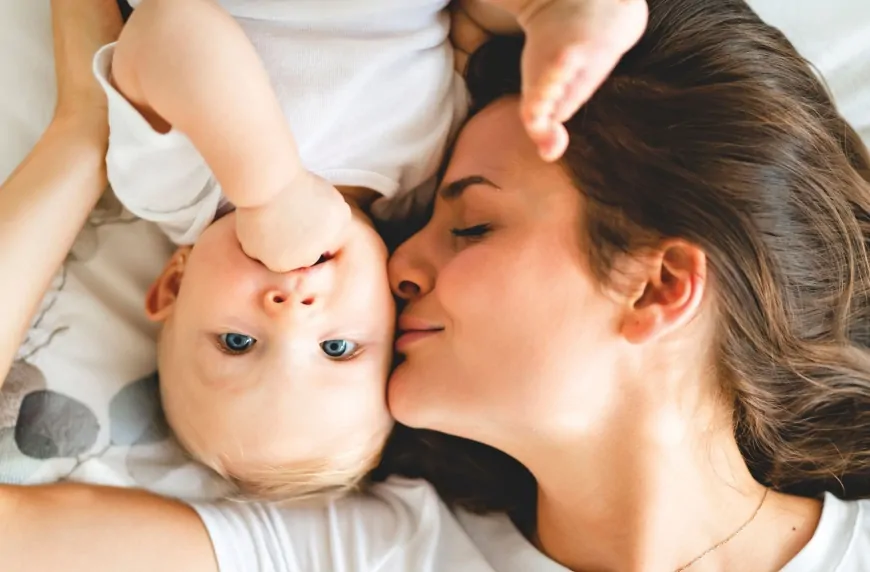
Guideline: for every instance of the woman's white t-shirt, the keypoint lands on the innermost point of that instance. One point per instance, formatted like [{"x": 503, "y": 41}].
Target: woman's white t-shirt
[{"x": 403, "y": 526}]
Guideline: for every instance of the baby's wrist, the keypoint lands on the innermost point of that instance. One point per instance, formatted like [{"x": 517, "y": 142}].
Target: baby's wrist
[
  {"x": 519, "y": 9},
  {"x": 261, "y": 199}
]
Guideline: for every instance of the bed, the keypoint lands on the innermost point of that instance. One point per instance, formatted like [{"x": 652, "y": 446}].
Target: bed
[{"x": 81, "y": 402}]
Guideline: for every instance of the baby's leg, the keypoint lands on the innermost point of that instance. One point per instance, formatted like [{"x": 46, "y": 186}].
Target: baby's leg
[{"x": 571, "y": 47}]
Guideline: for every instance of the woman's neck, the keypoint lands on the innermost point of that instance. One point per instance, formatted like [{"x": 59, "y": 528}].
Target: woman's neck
[{"x": 654, "y": 491}]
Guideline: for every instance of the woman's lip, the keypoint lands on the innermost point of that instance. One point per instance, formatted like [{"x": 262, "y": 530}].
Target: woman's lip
[
  {"x": 413, "y": 336},
  {"x": 412, "y": 324}
]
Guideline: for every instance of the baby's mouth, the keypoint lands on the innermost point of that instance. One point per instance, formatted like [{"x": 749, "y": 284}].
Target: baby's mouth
[{"x": 325, "y": 257}]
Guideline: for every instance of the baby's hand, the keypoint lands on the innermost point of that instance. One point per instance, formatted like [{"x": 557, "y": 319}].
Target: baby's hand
[
  {"x": 302, "y": 222},
  {"x": 571, "y": 47}
]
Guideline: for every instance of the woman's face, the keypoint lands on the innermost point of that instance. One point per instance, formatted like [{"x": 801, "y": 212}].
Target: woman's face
[{"x": 520, "y": 335}]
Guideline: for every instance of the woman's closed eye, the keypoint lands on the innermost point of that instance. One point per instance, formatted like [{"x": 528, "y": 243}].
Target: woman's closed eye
[
  {"x": 340, "y": 350},
  {"x": 475, "y": 232},
  {"x": 235, "y": 344}
]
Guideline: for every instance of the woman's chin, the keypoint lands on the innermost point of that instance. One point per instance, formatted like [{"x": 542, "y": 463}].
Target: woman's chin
[{"x": 406, "y": 398}]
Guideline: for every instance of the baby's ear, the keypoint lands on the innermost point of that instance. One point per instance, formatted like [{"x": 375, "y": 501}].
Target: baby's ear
[{"x": 160, "y": 300}]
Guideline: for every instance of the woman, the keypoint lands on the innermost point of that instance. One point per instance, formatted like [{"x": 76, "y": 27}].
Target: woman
[{"x": 667, "y": 328}]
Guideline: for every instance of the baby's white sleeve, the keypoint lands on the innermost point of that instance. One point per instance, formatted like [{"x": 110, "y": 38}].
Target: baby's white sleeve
[{"x": 159, "y": 177}]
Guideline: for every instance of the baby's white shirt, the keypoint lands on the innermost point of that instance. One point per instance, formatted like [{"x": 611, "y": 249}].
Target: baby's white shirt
[{"x": 367, "y": 86}]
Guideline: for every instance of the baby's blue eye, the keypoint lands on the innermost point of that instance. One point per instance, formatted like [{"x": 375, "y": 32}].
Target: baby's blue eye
[
  {"x": 236, "y": 343},
  {"x": 339, "y": 349}
]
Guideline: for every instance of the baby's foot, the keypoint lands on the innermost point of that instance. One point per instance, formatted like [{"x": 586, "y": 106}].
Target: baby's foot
[{"x": 571, "y": 47}]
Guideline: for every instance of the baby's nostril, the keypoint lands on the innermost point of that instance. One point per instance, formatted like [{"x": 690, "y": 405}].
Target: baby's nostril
[
  {"x": 408, "y": 288},
  {"x": 307, "y": 301},
  {"x": 278, "y": 299}
]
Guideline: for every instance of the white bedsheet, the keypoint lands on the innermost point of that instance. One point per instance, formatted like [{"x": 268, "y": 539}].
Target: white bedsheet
[{"x": 84, "y": 382}]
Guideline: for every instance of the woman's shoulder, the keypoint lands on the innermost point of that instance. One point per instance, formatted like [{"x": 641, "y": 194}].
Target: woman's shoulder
[
  {"x": 850, "y": 522},
  {"x": 841, "y": 540}
]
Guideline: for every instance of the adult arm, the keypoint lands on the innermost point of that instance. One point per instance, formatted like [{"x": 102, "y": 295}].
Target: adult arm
[
  {"x": 46, "y": 200},
  {"x": 81, "y": 528}
]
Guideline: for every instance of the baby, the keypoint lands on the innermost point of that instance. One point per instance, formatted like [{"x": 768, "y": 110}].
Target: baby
[{"x": 277, "y": 317}]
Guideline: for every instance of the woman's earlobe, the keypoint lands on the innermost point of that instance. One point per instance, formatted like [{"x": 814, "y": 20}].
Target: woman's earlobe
[
  {"x": 674, "y": 287},
  {"x": 163, "y": 292}
]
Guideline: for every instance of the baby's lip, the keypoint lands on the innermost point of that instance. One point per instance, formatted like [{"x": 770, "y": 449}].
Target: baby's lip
[{"x": 324, "y": 258}]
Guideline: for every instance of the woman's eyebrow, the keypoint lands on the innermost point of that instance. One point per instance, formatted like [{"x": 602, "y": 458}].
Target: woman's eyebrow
[{"x": 454, "y": 190}]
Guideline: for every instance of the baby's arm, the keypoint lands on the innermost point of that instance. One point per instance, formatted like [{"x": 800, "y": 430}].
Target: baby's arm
[{"x": 186, "y": 64}]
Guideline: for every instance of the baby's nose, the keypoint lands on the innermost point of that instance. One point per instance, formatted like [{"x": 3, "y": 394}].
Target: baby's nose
[{"x": 276, "y": 300}]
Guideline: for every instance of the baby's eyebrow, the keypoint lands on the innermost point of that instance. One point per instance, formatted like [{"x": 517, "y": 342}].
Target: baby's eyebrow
[{"x": 454, "y": 190}]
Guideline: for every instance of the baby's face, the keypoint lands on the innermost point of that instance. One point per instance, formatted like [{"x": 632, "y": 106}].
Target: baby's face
[{"x": 260, "y": 369}]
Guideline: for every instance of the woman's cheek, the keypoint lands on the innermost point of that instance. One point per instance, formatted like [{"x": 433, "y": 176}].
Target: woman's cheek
[{"x": 468, "y": 283}]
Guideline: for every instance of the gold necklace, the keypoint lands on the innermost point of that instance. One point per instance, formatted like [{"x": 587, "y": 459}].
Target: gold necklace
[{"x": 722, "y": 543}]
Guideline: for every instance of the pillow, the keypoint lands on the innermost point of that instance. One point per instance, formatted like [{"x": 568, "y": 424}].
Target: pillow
[
  {"x": 835, "y": 37},
  {"x": 81, "y": 401}
]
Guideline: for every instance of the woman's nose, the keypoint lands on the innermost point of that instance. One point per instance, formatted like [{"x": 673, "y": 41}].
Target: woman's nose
[{"x": 411, "y": 274}]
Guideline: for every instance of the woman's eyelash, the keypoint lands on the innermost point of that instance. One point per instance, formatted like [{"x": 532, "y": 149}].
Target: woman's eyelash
[{"x": 471, "y": 231}]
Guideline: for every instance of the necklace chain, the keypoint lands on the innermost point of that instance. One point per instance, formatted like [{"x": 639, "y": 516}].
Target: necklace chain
[{"x": 730, "y": 537}]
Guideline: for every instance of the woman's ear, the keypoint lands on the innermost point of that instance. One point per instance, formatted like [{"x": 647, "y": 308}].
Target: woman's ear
[
  {"x": 672, "y": 280},
  {"x": 160, "y": 300}
]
